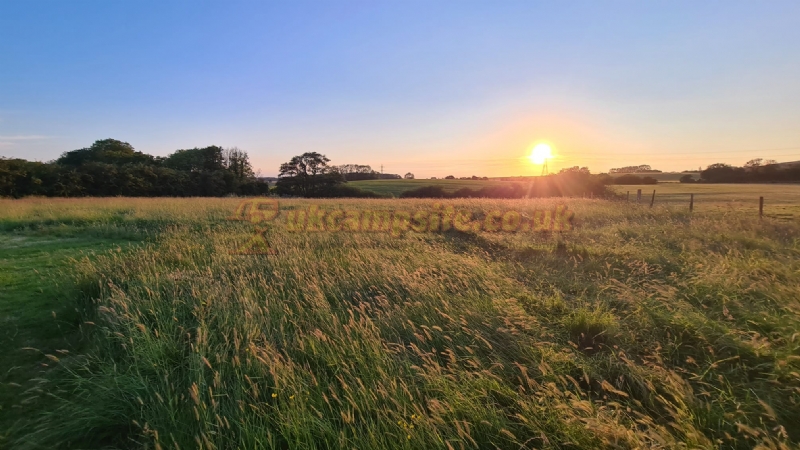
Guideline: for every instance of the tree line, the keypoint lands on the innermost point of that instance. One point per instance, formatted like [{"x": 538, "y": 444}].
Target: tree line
[
  {"x": 114, "y": 168},
  {"x": 644, "y": 168},
  {"x": 309, "y": 175},
  {"x": 572, "y": 181},
  {"x": 356, "y": 172},
  {"x": 754, "y": 171}
]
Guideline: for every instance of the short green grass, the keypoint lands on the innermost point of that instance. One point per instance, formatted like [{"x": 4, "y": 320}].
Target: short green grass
[
  {"x": 37, "y": 307},
  {"x": 641, "y": 328}
]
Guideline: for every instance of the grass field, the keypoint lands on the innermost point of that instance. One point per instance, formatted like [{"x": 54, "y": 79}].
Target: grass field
[
  {"x": 780, "y": 200},
  {"x": 639, "y": 328},
  {"x": 397, "y": 187}
]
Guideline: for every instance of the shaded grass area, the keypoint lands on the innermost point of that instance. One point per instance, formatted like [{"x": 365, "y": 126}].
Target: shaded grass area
[
  {"x": 38, "y": 307},
  {"x": 42, "y": 304},
  {"x": 642, "y": 328}
]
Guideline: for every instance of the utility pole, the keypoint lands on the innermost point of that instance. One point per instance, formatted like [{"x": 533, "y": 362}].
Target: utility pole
[{"x": 544, "y": 167}]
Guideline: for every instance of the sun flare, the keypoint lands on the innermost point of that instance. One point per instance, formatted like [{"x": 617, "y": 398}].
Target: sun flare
[{"x": 541, "y": 153}]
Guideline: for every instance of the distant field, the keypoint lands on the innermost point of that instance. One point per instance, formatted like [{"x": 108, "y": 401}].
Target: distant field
[
  {"x": 129, "y": 323},
  {"x": 396, "y": 187},
  {"x": 780, "y": 200}
]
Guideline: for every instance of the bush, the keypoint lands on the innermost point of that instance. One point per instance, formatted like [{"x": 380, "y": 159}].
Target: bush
[
  {"x": 345, "y": 191},
  {"x": 425, "y": 192},
  {"x": 634, "y": 180}
]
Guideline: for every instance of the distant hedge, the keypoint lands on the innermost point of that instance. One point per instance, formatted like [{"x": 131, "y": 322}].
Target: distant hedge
[
  {"x": 633, "y": 180},
  {"x": 566, "y": 184}
]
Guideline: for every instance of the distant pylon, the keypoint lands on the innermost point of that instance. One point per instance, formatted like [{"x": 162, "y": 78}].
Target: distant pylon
[{"x": 544, "y": 168}]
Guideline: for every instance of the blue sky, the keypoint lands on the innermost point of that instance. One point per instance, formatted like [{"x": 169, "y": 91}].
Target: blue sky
[{"x": 434, "y": 87}]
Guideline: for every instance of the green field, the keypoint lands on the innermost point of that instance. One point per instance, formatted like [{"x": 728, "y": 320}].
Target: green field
[
  {"x": 131, "y": 323},
  {"x": 397, "y": 187}
]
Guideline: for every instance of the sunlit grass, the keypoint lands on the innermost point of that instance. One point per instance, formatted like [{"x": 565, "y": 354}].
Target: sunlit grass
[{"x": 641, "y": 328}]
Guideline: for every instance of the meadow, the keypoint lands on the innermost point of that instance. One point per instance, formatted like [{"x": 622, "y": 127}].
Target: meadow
[{"x": 133, "y": 323}]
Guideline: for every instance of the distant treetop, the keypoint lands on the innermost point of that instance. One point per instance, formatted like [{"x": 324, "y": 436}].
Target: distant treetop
[
  {"x": 644, "y": 168},
  {"x": 108, "y": 151}
]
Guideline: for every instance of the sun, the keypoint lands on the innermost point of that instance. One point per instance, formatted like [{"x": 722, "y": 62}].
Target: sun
[{"x": 541, "y": 153}]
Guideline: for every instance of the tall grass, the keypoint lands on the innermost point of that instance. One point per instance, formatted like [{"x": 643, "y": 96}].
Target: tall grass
[{"x": 639, "y": 329}]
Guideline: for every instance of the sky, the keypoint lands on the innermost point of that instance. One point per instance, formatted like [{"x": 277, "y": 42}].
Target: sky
[{"x": 430, "y": 87}]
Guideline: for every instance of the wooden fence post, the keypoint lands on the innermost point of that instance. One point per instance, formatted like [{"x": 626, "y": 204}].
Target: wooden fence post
[
  {"x": 653, "y": 200},
  {"x": 691, "y": 202},
  {"x": 760, "y": 207},
  {"x": 638, "y": 196},
  {"x": 628, "y": 197}
]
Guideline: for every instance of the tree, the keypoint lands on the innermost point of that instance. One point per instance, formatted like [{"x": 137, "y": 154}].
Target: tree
[
  {"x": 409, "y": 176},
  {"x": 345, "y": 169},
  {"x": 753, "y": 163},
  {"x": 723, "y": 173},
  {"x": 644, "y": 168},
  {"x": 238, "y": 163},
  {"x": 197, "y": 159},
  {"x": 575, "y": 170},
  {"x": 354, "y": 172},
  {"x": 449, "y": 177},
  {"x": 688, "y": 178},
  {"x": 107, "y": 151},
  {"x": 307, "y": 175},
  {"x": 110, "y": 167}
]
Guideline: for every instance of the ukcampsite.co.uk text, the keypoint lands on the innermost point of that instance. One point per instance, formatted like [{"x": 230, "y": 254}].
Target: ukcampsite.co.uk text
[{"x": 438, "y": 218}]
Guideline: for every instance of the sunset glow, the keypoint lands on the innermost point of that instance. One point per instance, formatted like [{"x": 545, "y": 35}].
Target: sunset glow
[{"x": 540, "y": 154}]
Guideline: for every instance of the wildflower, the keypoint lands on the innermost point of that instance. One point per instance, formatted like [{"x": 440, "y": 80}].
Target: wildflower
[{"x": 274, "y": 395}]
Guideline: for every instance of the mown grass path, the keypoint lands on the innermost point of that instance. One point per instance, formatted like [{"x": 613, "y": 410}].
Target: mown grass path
[{"x": 37, "y": 307}]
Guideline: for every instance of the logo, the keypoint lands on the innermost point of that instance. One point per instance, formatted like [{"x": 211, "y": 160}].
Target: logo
[
  {"x": 259, "y": 212},
  {"x": 262, "y": 212}
]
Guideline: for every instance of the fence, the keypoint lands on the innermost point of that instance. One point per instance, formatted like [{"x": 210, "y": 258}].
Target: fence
[{"x": 690, "y": 201}]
